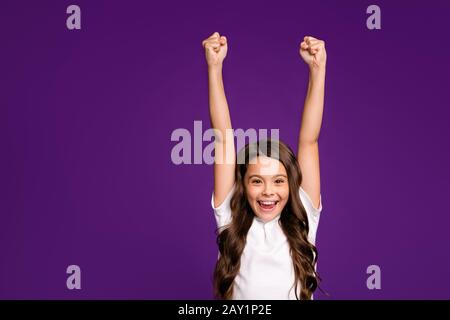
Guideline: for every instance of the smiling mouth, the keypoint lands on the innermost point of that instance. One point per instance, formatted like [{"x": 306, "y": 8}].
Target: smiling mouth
[{"x": 267, "y": 205}]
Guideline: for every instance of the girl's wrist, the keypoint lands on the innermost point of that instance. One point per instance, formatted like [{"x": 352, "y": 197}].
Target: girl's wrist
[
  {"x": 315, "y": 71},
  {"x": 215, "y": 68}
]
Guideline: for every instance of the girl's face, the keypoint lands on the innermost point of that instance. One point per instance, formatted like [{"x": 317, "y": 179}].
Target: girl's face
[{"x": 266, "y": 186}]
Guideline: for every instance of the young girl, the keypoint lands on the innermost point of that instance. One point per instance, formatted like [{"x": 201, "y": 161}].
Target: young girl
[{"x": 267, "y": 208}]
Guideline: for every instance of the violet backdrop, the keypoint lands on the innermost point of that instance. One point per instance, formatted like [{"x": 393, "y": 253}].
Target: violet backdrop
[{"x": 86, "y": 119}]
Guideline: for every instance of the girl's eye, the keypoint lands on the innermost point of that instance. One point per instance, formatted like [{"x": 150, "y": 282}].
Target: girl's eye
[
  {"x": 256, "y": 181},
  {"x": 279, "y": 181}
]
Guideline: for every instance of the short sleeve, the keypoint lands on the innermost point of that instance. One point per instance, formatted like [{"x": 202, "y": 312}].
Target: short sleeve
[
  {"x": 223, "y": 212},
  {"x": 313, "y": 214}
]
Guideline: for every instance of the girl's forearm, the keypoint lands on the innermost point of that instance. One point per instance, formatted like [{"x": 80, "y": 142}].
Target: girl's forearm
[
  {"x": 218, "y": 106},
  {"x": 313, "y": 108}
]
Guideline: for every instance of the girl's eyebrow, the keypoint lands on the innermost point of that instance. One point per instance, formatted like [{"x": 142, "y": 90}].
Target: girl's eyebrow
[{"x": 274, "y": 176}]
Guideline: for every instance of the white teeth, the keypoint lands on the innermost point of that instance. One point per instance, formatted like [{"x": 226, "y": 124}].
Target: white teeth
[{"x": 267, "y": 203}]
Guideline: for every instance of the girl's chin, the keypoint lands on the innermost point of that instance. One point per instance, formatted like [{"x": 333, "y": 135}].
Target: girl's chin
[
  {"x": 266, "y": 217},
  {"x": 267, "y": 214}
]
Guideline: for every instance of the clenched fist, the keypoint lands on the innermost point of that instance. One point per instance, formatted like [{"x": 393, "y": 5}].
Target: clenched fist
[
  {"x": 313, "y": 52},
  {"x": 216, "y": 48}
]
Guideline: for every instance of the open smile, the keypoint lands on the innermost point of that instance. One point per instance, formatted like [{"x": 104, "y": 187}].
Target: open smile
[{"x": 267, "y": 205}]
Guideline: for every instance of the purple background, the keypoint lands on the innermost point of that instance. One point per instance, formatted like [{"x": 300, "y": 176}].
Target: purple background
[{"x": 86, "y": 119}]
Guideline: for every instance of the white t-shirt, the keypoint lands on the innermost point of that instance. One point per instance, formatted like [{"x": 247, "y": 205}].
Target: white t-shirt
[{"x": 267, "y": 270}]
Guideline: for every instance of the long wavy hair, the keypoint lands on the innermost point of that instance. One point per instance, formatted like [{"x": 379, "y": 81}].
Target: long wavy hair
[{"x": 231, "y": 239}]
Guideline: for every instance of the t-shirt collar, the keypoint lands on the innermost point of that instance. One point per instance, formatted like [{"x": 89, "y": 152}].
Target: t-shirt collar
[{"x": 273, "y": 221}]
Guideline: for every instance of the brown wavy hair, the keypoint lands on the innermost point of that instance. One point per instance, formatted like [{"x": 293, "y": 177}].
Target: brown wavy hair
[{"x": 231, "y": 239}]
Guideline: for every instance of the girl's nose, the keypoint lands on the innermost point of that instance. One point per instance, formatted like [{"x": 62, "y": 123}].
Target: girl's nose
[{"x": 268, "y": 190}]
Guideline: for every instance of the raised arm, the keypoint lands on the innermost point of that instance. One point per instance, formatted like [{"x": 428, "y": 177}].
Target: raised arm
[
  {"x": 216, "y": 48},
  {"x": 313, "y": 53}
]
